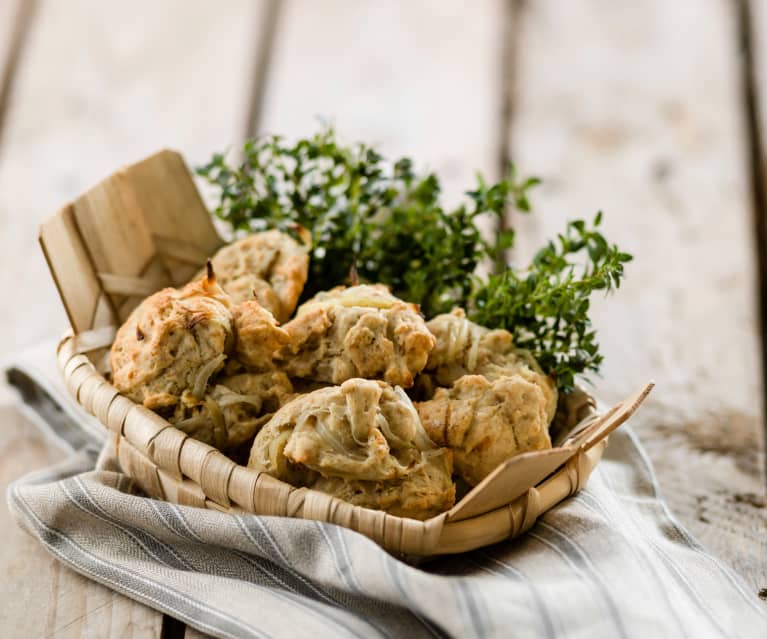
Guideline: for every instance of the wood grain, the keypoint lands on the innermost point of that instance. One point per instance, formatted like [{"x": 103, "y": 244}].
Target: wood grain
[
  {"x": 68, "y": 605},
  {"x": 635, "y": 108},
  {"x": 420, "y": 78},
  {"x": 10, "y": 12},
  {"x": 756, "y": 14},
  {"x": 101, "y": 85},
  {"x": 15, "y": 18}
]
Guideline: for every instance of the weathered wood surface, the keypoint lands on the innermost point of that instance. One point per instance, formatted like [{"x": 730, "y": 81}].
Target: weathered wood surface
[
  {"x": 618, "y": 108},
  {"x": 635, "y": 108},
  {"x": 434, "y": 95},
  {"x": 41, "y": 597},
  {"x": 15, "y": 16},
  {"x": 97, "y": 85},
  {"x": 100, "y": 85}
]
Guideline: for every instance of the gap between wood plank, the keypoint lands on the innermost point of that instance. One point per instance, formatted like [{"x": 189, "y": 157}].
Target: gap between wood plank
[
  {"x": 512, "y": 11},
  {"x": 756, "y": 162},
  {"x": 172, "y": 628},
  {"x": 267, "y": 35},
  {"x": 23, "y": 19}
]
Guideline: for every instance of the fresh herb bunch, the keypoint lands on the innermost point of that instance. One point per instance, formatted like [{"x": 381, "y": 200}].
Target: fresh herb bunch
[
  {"x": 546, "y": 305},
  {"x": 386, "y": 222},
  {"x": 364, "y": 212}
]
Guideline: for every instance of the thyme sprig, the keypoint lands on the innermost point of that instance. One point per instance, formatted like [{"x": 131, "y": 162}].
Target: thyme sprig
[
  {"x": 386, "y": 222},
  {"x": 546, "y": 305}
]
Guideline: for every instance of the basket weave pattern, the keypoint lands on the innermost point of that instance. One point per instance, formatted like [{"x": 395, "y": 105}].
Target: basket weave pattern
[{"x": 145, "y": 227}]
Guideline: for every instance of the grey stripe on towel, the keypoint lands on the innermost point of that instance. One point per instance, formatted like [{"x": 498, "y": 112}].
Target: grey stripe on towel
[{"x": 610, "y": 562}]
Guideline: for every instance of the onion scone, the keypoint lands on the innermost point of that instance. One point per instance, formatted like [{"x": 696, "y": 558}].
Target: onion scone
[
  {"x": 361, "y": 331},
  {"x": 362, "y": 442},
  {"x": 234, "y": 409},
  {"x": 486, "y": 422},
  {"x": 172, "y": 343},
  {"x": 465, "y": 348},
  {"x": 270, "y": 267}
]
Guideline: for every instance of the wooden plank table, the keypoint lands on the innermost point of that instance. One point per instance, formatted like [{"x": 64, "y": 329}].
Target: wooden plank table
[{"x": 649, "y": 111}]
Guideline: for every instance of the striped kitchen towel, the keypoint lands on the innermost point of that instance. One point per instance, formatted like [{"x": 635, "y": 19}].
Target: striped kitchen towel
[{"x": 609, "y": 562}]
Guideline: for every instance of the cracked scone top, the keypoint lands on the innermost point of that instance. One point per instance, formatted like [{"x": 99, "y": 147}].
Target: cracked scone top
[
  {"x": 172, "y": 343},
  {"x": 270, "y": 267},
  {"x": 361, "y": 441},
  {"x": 359, "y": 331},
  {"x": 486, "y": 422},
  {"x": 465, "y": 348}
]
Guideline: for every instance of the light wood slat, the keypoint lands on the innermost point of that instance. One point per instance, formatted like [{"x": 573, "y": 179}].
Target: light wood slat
[
  {"x": 66, "y": 604},
  {"x": 174, "y": 214},
  {"x": 757, "y": 12},
  {"x": 13, "y": 18},
  {"x": 59, "y": 236},
  {"x": 100, "y": 85},
  {"x": 636, "y": 108},
  {"x": 9, "y": 13},
  {"x": 416, "y": 77}
]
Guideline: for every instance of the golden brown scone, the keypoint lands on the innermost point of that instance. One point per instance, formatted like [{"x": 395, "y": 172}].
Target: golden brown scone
[
  {"x": 234, "y": 410},
  {"x": 172, "y": 343},
  {"x": 258, "y": 337},
  {"x": 426, "y": 492},
  {"x": 464, "y": 348},
  {"x": 486, "y": 422},
  {"x": 360, "y": 331},
  {"x": 270, "y": 267},
  {"x": 361, "y": 441}
]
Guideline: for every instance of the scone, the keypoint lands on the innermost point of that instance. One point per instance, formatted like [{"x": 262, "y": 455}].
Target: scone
[
  {"x": 465, "y": 348},
  {"x": 486, "y": 422},
  {"x": 233, "y": 411},
  {"x": 360, "y": 331},
  {"x": 172, "y": 343},
  {"x": 258, "y": 337},
  {"x": 270, "y": 267},
  {"x": 361, "y": 441}
]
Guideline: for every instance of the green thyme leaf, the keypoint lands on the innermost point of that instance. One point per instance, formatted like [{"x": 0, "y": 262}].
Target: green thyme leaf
[{"x": 385, "y": 222}]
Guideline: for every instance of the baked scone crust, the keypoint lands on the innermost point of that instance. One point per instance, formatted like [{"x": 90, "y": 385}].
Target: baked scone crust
[
  {"x": 270, "y": 267},
  {"x": 486, "y": 422},
  {"x": 258, "y": 337},
  {"x": 172, "y": 343},
  {"x": 361, "y": 441},
  {"x": 361, "y": 331}
]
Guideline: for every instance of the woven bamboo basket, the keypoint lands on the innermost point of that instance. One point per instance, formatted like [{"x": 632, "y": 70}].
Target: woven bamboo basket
[{"x": 146, "y": 227}]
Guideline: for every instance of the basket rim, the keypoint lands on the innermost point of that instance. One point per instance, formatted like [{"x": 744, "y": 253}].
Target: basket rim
[
  {"x": 143, "y": 429},
  {"x": 108, "y": 248}
]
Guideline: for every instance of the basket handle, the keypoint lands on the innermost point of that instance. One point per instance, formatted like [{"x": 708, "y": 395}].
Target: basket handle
[{"x": 609, "y": 421}]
